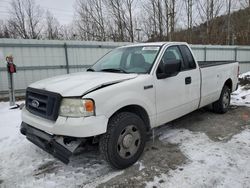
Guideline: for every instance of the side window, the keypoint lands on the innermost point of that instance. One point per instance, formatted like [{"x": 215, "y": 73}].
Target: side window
[
  {"x": 189, "y": 59},
  {"x": 171, "y": 53}
]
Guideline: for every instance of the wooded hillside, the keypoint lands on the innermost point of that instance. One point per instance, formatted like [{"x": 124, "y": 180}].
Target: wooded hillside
[{"x": 239, "y": 31}]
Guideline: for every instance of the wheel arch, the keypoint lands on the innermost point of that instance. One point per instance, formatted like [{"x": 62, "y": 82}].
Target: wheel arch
[
  {"x": 229, "y": 84},
  {"x": 138, "y": 110}
]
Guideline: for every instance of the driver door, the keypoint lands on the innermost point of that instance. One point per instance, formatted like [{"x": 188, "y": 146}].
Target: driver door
[{"x": 174, "y": 94}]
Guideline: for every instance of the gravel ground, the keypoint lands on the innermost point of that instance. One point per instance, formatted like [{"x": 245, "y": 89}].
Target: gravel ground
[
  {"x": 179, "y": 152},
  {"x": 201, "y": 149},
  {"x": 163, "y": 157}
]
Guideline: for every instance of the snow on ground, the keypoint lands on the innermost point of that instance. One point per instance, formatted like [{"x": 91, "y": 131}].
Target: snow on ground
[
  {"x": 244, "y": 74},
  {"x": 241, "y": 97},
  {"x": 211, "y": 164},
  {"x": 22, "y": 164}
]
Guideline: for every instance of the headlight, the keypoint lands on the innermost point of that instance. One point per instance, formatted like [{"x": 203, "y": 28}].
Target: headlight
[{"x": 77, "y": 107}]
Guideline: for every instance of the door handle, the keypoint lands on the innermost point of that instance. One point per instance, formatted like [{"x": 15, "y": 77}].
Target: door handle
[{"x": 188, "y": 80}]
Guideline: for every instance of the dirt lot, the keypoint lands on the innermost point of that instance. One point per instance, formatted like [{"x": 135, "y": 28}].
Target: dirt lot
[
  {"x": 202, "y": 149},
  {"x": 160, "y": 157}
]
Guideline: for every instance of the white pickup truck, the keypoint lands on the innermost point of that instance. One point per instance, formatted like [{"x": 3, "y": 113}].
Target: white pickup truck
[{"x": 121, "y": 98}]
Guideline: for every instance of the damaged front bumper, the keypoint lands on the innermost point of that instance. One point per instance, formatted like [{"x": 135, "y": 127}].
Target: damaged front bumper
[{"x": 55, "y": 145}]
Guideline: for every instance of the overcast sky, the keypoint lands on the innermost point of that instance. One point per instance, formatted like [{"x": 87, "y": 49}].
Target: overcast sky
[{"x": 62, "y": 9}]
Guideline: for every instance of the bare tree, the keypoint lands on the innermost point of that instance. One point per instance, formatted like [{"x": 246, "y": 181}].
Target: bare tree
[
  {"x": 150, "y": 20},
  {"x": 208, "y": 10},
  {"x": 167, "y": 17},
  {"x": 91, "y": 21},
  {"x": 116, "y": 9},
  {"x": 34, "y": 15},
  {"x": 25, "y": 19},
  {"x": 245, "y": 3},
  {"x": 130, "y": 28},
  {"x": 229, "y": 21},
  {"x": 4, "y": 32},
  {"x": 154, "y": 17},
  {"x": 189, "y": 10},
  {"x": 52, "y": 27},
  {"x": 160, "y": 18},
  {"x": 172, "y": 17},
  {"x": 1, "y": 29},
  {"x": 68, "y": 33},
  {"x": 17, "y": 20}
]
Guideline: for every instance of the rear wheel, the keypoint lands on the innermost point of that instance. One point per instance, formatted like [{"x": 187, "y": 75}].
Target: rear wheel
[
  {"x": 221, "y": 106},
  {"x": 124, "y": 140}
]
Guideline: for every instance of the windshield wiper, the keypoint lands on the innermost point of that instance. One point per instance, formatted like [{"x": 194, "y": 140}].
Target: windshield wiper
[
  {"x": 90, "y": 70},
  {"x": 114, "y": 70}
]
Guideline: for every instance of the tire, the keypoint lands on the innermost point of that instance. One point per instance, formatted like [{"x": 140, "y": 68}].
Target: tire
[
  {"x": 123, "y": 143},
  {"x": 221, "y": 106}
]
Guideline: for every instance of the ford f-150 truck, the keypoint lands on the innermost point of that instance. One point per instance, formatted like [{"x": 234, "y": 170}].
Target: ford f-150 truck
[{"x": 124, "y": 95}]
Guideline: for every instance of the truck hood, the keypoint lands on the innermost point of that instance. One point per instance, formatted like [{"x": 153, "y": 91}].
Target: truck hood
[{"x": 78, "y": 84}]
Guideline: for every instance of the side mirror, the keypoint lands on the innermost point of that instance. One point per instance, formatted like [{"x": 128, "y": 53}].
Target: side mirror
[{"x": 170, "y": 68}]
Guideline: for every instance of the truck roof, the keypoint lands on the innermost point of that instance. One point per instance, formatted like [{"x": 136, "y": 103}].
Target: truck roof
[{"x": 156, "y": 44}]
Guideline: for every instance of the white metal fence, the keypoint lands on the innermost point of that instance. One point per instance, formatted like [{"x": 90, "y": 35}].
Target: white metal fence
[{"x": 39, "y": 59}]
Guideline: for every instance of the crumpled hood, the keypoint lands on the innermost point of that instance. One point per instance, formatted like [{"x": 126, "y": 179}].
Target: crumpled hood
[{"x": 78, "y": 84}]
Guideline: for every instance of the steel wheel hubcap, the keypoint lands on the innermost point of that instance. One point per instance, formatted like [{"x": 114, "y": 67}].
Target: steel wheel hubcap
[
  {"x": 128, "y": 141},
  {"x": 226, "y": 100}
]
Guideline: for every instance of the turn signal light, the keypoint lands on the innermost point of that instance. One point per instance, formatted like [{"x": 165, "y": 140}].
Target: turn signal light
[{"x": 89, "y": 105}]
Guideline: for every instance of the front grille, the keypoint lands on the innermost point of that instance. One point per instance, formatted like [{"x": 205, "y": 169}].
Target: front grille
[{"x": 43, "y": 103}]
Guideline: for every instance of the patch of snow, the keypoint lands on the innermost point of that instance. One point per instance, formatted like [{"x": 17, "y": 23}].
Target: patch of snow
[
  {"x": 244, "y": 74},
  {"x": 104, "y": 179},
  {"x": 22, "y": 164},
  {"x": 241, "y": 97},
  {"x": 141, "y": 166},
  {"x": 212, "y": 164}
]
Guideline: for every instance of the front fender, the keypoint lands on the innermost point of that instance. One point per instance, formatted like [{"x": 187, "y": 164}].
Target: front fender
[{"x": 112, "y": 98}]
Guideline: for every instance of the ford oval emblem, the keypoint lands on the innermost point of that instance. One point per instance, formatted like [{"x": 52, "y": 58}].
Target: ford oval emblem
[{"x": 35, "y": 103}]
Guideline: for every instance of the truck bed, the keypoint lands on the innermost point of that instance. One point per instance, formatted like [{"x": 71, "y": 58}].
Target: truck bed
[
  {"x": 204, "y": 64},
  {"x": 214, "y": 74}
]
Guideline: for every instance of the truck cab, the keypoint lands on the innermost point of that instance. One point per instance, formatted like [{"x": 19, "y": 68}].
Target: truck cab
[{"x": 125, "y": 94}]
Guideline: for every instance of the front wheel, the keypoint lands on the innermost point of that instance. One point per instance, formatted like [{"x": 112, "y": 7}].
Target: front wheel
[
  {"x": 124, "y": 140},
  {"x": 221, "y": 106}
]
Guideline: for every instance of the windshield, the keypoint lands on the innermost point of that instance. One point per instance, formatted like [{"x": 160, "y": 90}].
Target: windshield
[{"x": 138, "y": 59}]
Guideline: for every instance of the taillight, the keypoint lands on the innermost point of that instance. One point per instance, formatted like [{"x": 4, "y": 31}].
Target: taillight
[{"x": 238, "y": 71}]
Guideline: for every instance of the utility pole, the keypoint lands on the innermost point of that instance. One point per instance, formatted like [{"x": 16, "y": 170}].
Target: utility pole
[
  {"x": 212, "y": 10},
  {"x": 172, "y": 18},
  {"x": 167, "y": 18},
  {"x": 248, "y": 31},
  {"x": 229, "y": 22},
  {"x": 190, "y": 18},
  {"x": 207, "y": 23}
]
